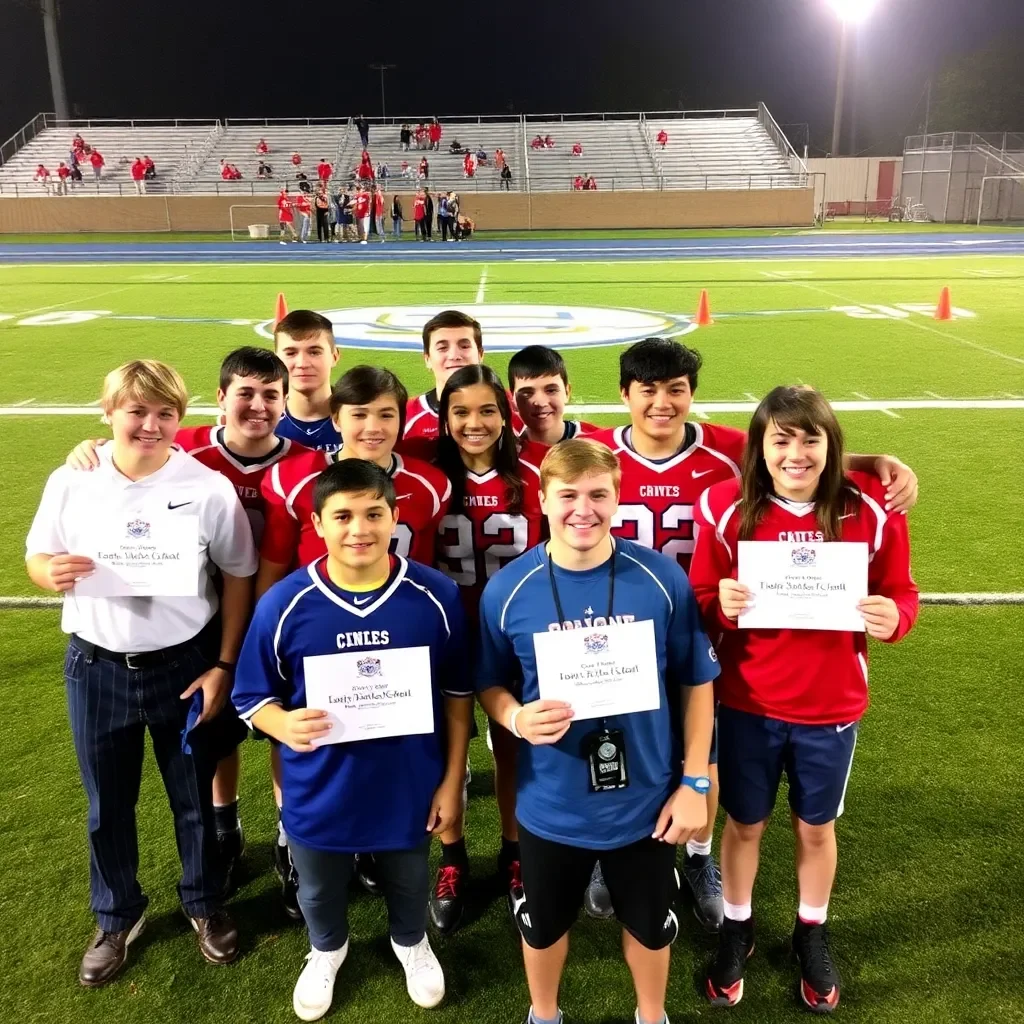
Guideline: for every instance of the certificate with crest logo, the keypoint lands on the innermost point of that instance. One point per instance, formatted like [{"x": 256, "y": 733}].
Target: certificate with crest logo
[
  {"x": 600, "y": 671},
  {"x": 155, "y": 554},
  {"x": 372, "y": 694},
  {"x": 803, "y": 586}
]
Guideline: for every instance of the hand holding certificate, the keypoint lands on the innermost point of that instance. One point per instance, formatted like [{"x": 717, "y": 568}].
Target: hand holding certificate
[
  {"x": 607, "y": 670},
  {"x": 803, "y": 586}
]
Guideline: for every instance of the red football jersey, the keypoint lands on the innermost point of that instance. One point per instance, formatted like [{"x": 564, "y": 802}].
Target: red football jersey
[
  {"x": 805, "y": 676},
  {"x": 303, "y": 204},
  {"x": 206, "y": 444},
  {"x": 362, "y": 205},
  {"x": 284, "y": 208},
  {"x": 656, "y": 499},
  {"x": 476, "y": 542},
  {"x": 534, "y": 451},
  {"x": 290, "y": 538}
]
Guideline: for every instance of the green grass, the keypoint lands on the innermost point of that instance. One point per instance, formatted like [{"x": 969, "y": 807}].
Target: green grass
[{"x": 928, "y": 914}]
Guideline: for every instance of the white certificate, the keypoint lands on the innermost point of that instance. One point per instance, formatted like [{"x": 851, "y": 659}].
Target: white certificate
[
  {"x": 155, "y": 554},
  {"x": 599, "y": 671},
  {"x": 372, "y": 694},
  {"x": 803, "y": 586}
]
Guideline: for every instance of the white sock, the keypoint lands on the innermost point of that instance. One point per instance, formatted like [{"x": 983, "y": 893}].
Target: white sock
[
  {"x": 696, "y": 849},
  {"x": 736, "y": 911},
  {"x": 282, "y": 836},
  {"x": 812, "y": 915}
]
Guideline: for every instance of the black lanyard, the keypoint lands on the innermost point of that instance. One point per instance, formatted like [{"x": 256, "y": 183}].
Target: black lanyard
[{"x": 558, "y": 603}]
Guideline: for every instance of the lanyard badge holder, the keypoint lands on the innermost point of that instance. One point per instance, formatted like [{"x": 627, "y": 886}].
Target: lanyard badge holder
[{"x": 604, "y": 749}]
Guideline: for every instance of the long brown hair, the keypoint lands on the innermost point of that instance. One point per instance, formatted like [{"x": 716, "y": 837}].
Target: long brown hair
[
  {"x": 506, "y": 451},
  {"x": 795, "y": 408}
]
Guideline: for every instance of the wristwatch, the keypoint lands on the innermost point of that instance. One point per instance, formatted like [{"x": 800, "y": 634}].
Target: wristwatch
[{"x": 701, "y": 783}]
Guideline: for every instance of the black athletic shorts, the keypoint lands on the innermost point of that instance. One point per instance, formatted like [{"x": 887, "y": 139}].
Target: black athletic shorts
[{"x": 641, "y": 879}]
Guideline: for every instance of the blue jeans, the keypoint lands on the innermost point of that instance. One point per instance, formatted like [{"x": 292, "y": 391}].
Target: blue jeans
[
  {"x": 303, "y": 226},
  {"x": 323, "y": 892},
  {"x": 110, "y": 707},
  {"x": 396, "y": 227}
]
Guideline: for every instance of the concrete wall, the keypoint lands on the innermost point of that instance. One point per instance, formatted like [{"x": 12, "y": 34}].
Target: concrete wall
[
  {"x": 852, "y": 180},
  {"x": 511, "y": 211}
]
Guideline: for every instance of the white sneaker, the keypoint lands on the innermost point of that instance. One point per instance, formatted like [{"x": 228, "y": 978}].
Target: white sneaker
[
  {"x": 315, "y": 987},
  {"x": 424, "y": 978},
  {"x": 636, "y": 1017}
]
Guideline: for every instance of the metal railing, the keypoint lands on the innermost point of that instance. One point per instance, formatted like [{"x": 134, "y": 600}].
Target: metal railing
[
  {"x": 778, "y": 136},
  {"x": 22, "y": 137}
]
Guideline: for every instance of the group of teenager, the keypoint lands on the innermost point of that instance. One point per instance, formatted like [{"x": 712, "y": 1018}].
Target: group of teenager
[{"x": 468, "y": 541}]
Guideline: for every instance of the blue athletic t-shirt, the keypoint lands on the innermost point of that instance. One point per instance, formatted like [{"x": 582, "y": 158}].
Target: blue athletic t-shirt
[
  {"x": 370, "y": 794},
  {"x": 318, "y": 434},
  {"x": 554, "y": 799}
]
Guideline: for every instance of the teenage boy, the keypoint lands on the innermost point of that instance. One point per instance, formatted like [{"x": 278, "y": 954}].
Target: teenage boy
[
  {"x": 251, "y": 394},
  {"x": 143, "y": 639},
  {"x": 608, "y": 770},
  {"x": 539, "y": 383},
  {"x": 383, "y": 639},
  {"x": 451, "y": 340},
  {"x": 304, "y": 341},
  {"x": 667, "y": 463}
]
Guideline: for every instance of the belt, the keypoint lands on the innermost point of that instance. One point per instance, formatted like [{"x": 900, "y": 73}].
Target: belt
[{"x": 133, "y": 660}]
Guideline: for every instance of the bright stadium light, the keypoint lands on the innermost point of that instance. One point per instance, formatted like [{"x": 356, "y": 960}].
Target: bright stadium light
[{"x": 850, "y": 12}]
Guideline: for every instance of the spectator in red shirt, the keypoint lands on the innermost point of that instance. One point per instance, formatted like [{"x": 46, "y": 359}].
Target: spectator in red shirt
[
  {"x": 296, "y": 159},
  {"x": 424, "y": 171},
  {"x": 362, "y": 204},
  {"x": 42, "y": 175},
  {"x": 469, "y": 165},
  {"x": 285, "y": 218},
  {"x": 419, "y": 211},
  {"x": 537, "y": 142},
  {"x": 378, "y": 211},
  {"x": 499, "y": 158},
  {"x": 578, "y": 183},
  {"x": 97, "y": 161},
  {"x": 662, "y": 138},
  {"x": 262, "y": 148},
  {"x": 365, "y": 167},
  {"x": 434, "y": 133},
  {"x": 422, "y": 136},
  {"x": 78, "y": 145},
  {"x": 549, "y": 143},
  {"x": 150, "y": 168},
  {"x": 305, "y": 208},
  {"x": 324, "y": 170},
  {"x": 590, "y": 185},
  {"x": 225, "y": 170},
  {"x": 577, "y": 149},
  {"x": 138, "y": 176}
]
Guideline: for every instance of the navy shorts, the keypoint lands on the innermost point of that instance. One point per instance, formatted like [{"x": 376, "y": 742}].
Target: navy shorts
[{"x": 754, "y": 751}]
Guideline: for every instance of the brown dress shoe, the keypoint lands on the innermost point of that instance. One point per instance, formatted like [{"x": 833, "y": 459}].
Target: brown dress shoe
[
  {"x": 106, "y": 954},
  {"x": 218, "y": 936}
]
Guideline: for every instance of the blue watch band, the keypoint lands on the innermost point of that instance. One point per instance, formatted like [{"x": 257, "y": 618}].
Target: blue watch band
[{"x": 701, "y": 783}]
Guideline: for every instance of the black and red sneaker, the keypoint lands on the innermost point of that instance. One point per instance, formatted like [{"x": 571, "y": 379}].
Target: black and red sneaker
[
  {"x": 448, "y": 900},
  {"x": 724, "y": 983},
  {"x": 819, "y": 976},
  {"x": 516, "y": 894}
]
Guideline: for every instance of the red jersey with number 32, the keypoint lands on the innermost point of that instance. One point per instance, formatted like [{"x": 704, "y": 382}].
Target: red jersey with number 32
[
  {"x": 206, "y": 445},
  {"x": 290, "y": 538},
  {"x": 478, "y": 541},
  {"x": 656, "y": 499}
]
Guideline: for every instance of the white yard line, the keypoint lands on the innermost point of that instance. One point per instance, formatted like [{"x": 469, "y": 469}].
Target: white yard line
[
  {"x": 934, "y": 395},
  {"x": 75, "y": 301},
  {"x": 481, "y": 289},
  {"x": 860, "y": 394},
  {"x": 27, "y": 401}
]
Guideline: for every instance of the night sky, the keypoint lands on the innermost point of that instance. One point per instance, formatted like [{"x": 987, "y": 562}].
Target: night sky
[{"x": 194, "y": 58}]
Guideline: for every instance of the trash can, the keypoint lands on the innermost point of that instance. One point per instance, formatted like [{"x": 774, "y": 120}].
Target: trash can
[{"x": 259, "y": 230}]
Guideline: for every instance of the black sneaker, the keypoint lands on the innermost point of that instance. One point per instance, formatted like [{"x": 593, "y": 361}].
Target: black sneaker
[
  {"x": 819, "y": 976},
  {"x": 724, "y": 983},
  {"x": 515, "y": 893},
  {"x": 230, "y": 846},
  {"x": 448, "y": 899},
  {"x": 366, "y": 872},
  {"x": 704, "y": 880},
  {"x": 598, "y": 900},
  {"x": 285, "y": 871}
]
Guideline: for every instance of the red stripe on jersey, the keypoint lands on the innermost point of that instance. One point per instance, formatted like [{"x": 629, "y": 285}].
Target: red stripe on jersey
[{"x": 805, "y": 676}]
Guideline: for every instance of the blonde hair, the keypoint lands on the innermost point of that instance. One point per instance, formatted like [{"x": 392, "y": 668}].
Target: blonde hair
[
  {"x": 144, "y": 380},
  {"x": 570, "y": 460}
]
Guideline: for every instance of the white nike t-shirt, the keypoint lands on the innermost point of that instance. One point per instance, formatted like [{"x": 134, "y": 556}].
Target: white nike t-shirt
[{"x": 74, "y": 499}]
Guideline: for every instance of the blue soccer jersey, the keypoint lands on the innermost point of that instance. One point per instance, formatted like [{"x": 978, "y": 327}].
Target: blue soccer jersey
[
  {"x": 554, "y": 799},
  {"x": 318, "y": 434},
  {"x": 370, "y": 794}
]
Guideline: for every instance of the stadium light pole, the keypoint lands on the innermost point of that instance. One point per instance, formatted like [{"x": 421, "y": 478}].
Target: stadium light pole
[
  {"x": 850, "y": 12},
  {"x": 382, "y": 68},
  {"x": 60, "y": 97}
]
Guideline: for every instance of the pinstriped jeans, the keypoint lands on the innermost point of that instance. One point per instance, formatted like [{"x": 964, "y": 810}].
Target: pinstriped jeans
[{"x": 110, "y": 707}]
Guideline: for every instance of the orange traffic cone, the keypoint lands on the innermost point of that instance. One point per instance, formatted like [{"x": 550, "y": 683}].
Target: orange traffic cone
[
  {"x": 704, "y": 310},
  {"x": 943, "y": 310},
  {"x": 281, "y": 311}
]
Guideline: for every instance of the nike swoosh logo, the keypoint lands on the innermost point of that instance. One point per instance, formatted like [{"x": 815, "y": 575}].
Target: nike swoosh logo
[
  {"x": 312, "y": 430},
  {"x": 843, "y": 728},
  {"x": 703, "y": 472},
  {"x": 181, "y": 504},
  {"x": 517, "y": 902},
  {"x": 363, "y": 601}
]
